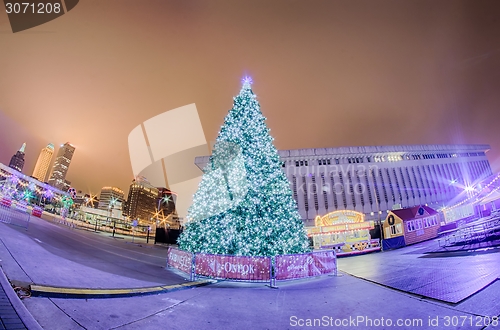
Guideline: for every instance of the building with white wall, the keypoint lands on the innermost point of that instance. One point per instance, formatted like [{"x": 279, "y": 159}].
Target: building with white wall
[{"x": 373, "y": 180}]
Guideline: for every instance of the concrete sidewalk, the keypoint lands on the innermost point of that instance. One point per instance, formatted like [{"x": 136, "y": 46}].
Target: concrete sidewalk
[
  {"x": 327, "y": 302},
  {"x": 312, "y": 304},
  {"x": 13, "y": 313},
  {"x": 31, "y": 263}
]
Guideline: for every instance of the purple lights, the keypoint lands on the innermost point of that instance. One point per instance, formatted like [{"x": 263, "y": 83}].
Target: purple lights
[
  {"x": 48, "y": 194},
  {"x": 247, "y": 80}
]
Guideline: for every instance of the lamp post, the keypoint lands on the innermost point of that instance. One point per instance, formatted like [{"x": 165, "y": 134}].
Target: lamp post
[
  {"x": 378, "y": 208},
  {"x": 164, "y": 199},
  {"x": 110, "y": 207}
]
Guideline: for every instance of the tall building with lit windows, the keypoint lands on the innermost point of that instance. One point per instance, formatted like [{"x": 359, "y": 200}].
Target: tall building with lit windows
[
  {"x": 109, "y": 196},
  {"x": 374, "y": 180},
  {"x": 17, "y": 161},
  {"x": 142, "y": 200},
  {"x": 61, "y": 166},
  {"x": 43, "y": 163}
]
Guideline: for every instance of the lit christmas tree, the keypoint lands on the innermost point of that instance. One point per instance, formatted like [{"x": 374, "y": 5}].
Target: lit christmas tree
[{"x": 244, "y": 205}]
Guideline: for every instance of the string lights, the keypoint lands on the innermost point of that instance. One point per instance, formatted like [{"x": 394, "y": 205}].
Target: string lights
[
  {"x": 244, "y": 205},
  {"x": 474, "y": 198}
]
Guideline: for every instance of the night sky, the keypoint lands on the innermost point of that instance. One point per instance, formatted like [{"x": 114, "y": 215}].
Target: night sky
[{"x": 326, "y": 73}]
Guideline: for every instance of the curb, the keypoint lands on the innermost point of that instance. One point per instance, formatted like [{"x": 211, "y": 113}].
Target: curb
[
  {"x": 58, "y": 292},
  {"x": 21, "y": 310}
]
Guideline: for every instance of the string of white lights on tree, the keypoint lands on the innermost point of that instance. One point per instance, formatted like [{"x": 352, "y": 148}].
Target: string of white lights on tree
[{"x": 244, "y": 205}]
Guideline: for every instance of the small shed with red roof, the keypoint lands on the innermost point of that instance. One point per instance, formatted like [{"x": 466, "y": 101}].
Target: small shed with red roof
[{"x": 409, "y": 226}]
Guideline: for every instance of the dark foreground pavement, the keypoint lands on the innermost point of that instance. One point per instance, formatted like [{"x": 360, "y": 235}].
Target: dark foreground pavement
[{"x": 347, "y": 302}]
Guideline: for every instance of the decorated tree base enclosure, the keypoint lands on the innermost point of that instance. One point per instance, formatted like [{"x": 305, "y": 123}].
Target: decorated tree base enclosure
[
  {"x": 253, "y": 268},
  {"x": 243, "y": 224}
]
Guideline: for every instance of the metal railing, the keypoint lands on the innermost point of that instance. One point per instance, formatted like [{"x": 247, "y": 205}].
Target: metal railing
[
  {"x": 110, "y": 225},
  {"x": 472, "y": 233},
  {"x": 253, "y": 269},
  {"x": 14, "y": 216}
]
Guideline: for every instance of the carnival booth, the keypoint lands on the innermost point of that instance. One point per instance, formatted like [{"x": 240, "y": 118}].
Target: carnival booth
[
  {"x": 409, "y": 226},
  {"x": 343, "y": 230}
]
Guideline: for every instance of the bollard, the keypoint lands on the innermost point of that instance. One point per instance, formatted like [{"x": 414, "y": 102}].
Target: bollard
[{"x": 28, "y": 222}]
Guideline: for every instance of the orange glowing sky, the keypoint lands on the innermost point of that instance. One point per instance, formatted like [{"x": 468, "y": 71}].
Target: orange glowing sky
[{"x": 327, "y": 73}]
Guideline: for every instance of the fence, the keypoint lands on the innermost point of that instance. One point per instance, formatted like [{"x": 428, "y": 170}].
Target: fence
[
  {"x": 253, "y": 269},
  {"x": 14, "y": 214},
  {"x": 110, "y": 225},
  {"x": 472, "y": 233}
]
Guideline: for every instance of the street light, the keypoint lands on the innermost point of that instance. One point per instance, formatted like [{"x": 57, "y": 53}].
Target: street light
[
  {"x": 110, "y": 207},
  {"x": 378, "y": 208},
  {"x": 164, "y": 199}
]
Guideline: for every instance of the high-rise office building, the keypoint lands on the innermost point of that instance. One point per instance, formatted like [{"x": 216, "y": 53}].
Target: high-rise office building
[
  {"x": 109, "y": 194},
  {"x": 167, "y": 214},
  {"x": 165, "y": 201},
  {"x": 61, "y": 165},
  {"x": 43, "y": 163},
  {"x": 142, "y": 201},
  {"x": 17, "y": 161},
  {"x": 374, "y": 180}
]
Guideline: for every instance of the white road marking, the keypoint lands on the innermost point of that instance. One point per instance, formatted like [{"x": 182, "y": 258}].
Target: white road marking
[{"x": 36, "y": 239}]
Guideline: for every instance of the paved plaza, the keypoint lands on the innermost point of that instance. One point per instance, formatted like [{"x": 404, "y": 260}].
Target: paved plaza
[
  {"x": 450, "y": 277},
  {"x": 407, "y": 288}
]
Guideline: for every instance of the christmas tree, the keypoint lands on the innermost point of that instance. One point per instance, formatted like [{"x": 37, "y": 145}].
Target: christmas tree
[{"x": 244, "y": 205}]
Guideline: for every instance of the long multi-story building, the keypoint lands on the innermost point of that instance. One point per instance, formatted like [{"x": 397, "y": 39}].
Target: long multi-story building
[
  {"x": 374, "y": 180},
  {"x": 17, "y": 161},
  {"x": 61, "y": 166},
  {"x": 41, "y": 188},
  {"x": 142, "y": 201},
  {"x": 109, "y": 196},
  {"x": 43, "y": 163}
]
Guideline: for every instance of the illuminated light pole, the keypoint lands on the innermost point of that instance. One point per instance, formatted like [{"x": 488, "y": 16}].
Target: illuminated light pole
[
  {"x": 110, "y": 208},
  {"x": 164, "y": 199},
  {"x": 378, "y": 209}
]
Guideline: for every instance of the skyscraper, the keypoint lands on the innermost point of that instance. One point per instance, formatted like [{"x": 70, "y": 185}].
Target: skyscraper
[
  {"x": 43, "y": 163},
  {"x": 17, "y": 161},
  {"x": 165, "y": 201},
  {"x": 142, "y": 200},
  {"x": 61, "y": 165},
  {"x": 166, "y": 209}
]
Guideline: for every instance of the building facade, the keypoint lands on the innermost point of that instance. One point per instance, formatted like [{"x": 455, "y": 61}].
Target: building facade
[
  {"x": 375, "y": 180},
  {"x": 61, "y": 166},
  {"x": 109, "y": 196},
  {"x": 43, "y": 163},
  {"x": 17, "y": 161},
  {"x": 142, "y": 201},
  {"x": 41, "y": 189},
  {"x": 165, "y": 201},
  {"x": 167, "y": 214}
]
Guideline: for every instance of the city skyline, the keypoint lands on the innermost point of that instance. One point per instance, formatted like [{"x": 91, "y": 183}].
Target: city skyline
[{"x": 327, "y": 74}]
